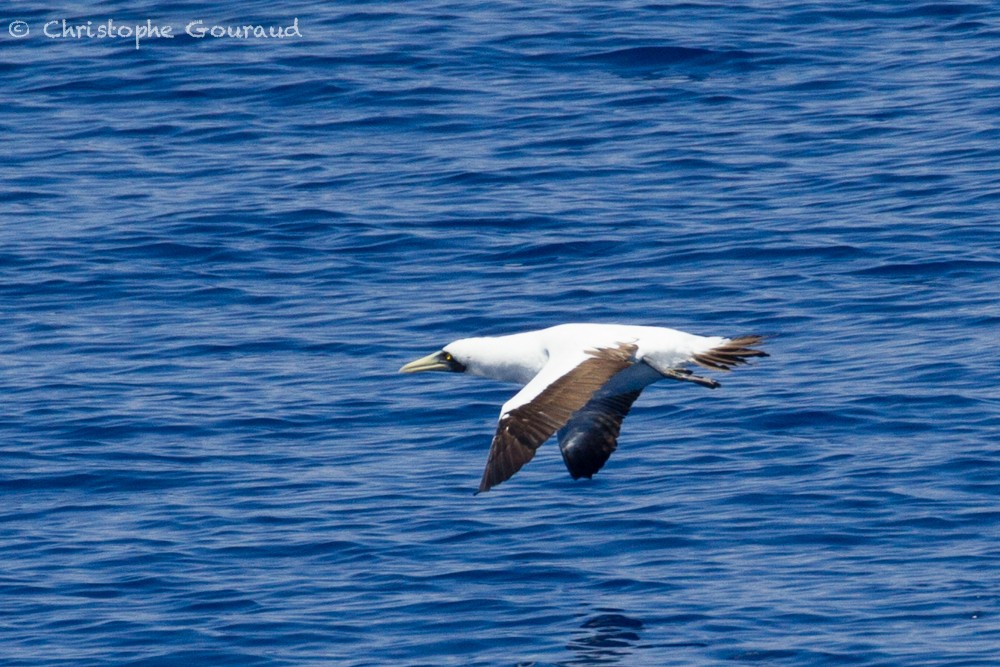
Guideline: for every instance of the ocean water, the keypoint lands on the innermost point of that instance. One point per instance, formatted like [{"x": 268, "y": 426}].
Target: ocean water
[{"x": 216, "y": 252}]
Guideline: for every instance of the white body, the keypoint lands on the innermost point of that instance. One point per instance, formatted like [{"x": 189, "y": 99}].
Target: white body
[{"x": 536, "y": 358}]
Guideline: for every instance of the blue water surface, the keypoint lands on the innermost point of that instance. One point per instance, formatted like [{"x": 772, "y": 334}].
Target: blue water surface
[{"x": 216, "y": 252}]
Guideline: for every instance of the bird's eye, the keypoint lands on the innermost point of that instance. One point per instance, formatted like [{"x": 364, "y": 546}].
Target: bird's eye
[{"x": 448, "y": 357}]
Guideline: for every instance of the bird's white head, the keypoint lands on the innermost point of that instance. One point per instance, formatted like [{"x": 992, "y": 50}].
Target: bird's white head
[
  {"x": 466, "y": 354},
  {"x": 506, "y": 358}
]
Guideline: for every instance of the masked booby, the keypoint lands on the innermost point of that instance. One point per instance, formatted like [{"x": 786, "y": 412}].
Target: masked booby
[{"x": 578, "y": 380}]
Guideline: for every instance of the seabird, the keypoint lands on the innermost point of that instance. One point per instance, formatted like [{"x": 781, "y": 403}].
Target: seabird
[{"x": 579, "y": 380}]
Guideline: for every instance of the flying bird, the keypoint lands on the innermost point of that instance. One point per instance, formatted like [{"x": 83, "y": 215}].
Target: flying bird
[{"x": 578, "y": 380}]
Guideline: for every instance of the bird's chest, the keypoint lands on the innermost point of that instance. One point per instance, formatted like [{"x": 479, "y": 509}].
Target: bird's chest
[{"x": 520, "y": 370}]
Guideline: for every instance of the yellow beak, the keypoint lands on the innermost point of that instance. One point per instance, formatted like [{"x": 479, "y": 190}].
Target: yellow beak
[{"x": 432, "y": 362}]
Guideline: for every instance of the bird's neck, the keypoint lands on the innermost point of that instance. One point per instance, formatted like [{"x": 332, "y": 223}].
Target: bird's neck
[{"x": 516, "y": 358}]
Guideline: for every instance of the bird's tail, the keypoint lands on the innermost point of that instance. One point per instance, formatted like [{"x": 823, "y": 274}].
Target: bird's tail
[{"x": 730, "y": 354}]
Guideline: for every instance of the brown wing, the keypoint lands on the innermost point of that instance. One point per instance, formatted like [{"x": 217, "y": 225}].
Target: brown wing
[
  {"x": 522, "y": 430},
  {"x": 591, "y": 435}
]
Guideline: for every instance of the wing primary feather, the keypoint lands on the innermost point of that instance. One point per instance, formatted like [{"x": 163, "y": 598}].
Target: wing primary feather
[
  {"x": 589, "y": 439},
  {"x": 522, "y": 431}
]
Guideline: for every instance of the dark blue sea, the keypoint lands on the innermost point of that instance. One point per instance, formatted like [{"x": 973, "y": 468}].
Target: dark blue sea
[{"x": 216, "y": 250}]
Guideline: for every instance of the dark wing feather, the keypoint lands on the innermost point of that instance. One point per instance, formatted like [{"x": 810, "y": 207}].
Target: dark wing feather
[
  {"x": 591, "y": 435},
  {"x": 523, "y": 430}
]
